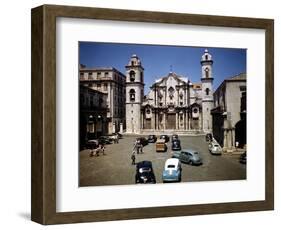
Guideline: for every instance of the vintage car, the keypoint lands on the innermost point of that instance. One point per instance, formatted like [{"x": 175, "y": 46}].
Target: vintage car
[
  {"x": 215, "y": 148},
  {"x": 142, "y": 140},
  {"x": 172, "y": 170},
  {"x": 144, "y": 173},
  {"x": 188, "y": 156},
  {"x": 105, "y": 140},
  {"x": 92, "y": 144},
  {"x": 161, "y": 146},
  {"x": 176, "y": 145},
  {"x": 152, "y": 138},
  {"x": 165, "y": 137},
  {"x": 175, "y": 137},
  {"x": 209, "y": 137},
  {"x": 119, "y": 135}
]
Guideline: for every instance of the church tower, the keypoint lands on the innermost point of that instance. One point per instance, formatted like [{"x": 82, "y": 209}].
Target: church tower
[
  {"x": 134, "y": 95},
  {"x": 207, "y": 90}
]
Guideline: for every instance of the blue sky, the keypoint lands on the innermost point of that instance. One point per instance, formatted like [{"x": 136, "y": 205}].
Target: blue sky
[{"x": 157, "y": 60}]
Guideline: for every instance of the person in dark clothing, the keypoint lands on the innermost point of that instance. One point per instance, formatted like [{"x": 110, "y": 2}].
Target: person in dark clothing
[{"x": 133, "y": 157}]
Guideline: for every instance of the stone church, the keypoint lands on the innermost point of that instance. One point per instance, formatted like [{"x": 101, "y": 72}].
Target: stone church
[{"x": 173, "y": 104}]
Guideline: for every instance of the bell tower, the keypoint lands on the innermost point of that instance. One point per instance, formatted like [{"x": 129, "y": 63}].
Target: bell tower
[
  {"x": 207, "y": 90},
  {"x": 134, "y": 94}
]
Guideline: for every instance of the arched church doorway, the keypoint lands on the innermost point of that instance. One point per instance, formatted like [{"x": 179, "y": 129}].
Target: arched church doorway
[{"x": 240, "y": 133}]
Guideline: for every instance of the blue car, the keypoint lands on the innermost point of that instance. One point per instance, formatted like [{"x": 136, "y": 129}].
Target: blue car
[
  {"x": 188, "y": 156},
  {"x": 172, "y": 171}
]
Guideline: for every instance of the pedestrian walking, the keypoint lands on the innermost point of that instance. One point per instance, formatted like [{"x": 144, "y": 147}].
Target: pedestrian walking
[
  {"x": 141, "y": 148},
  {"x": 135, "y": 147},
  {"x": 102, "y": 149},
  {"x": 133, "y": 157}
]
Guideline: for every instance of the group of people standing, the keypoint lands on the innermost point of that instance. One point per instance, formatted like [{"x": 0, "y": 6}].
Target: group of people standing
[{"x": 137, "y": 149}]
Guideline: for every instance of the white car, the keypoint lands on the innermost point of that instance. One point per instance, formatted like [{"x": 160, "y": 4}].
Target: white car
[
  {"x": 172, "y": 170},
  {"x": 215, "y": 148}
]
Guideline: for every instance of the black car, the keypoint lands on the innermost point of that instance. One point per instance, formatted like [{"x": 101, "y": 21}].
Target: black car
[
  {"x": 119, "y": 135},
  {"x": 176, "y": 145},
  {"x": 142, "y": 140},
  {"x": 91, "y": 144},
  {"x": 175, "y": 137},
  {"x": 144, "y": 173},
  {"x": 209, "y": 137},
  {"x": 152, "y": 138},
  {"x": 243, "y": 158},
  {"x": 165, "y": 137},
  {"x": 105, "y": 140}
]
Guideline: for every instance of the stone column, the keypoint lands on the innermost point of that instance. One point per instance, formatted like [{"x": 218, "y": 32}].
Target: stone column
[
  {"x": 153, "y": 121},
  {"x": 177, "y": 120},
  {"x": 233, "y": 138},
  {"x": 229, "y": 139},
  {"x": 201, "y": 121},
  {"x": 187, "y": 120},
  {"x": 165, "y": 96},
  {"x": 156, "y": 97},
  {"x": 184, "y": 118},
  {"x": 185, "y": 96},
  {"x": 142, "y": 120},
  {"x": 178, "y": 95},
  {"x": 225, "y": 139},
  {"x": 113, "y": 127},
  {"x": 164, "y": 120},
  {"x": 157, "y": 120},
  {"x": 121, "y": 127}
]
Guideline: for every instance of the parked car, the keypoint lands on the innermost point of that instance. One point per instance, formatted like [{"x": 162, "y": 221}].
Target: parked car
[
  {"x": 172, "y": 170},
  {"x": 161, "y": 146},
  {"x": 104, "y": 140},
  {"x": 215, "y": 148},
  {"x": 92, "y": 144},
  {"x": 209, "y": 137},
  {"x": 165, "y": 137},
  {"x": 175, "y": 137},
  {"x": 144, "y": 173},
  {"x": 152, "y": 138},
  {"x": 119, "y": 135},
  {"x": 176, "y": 145},
  {"x": 243, "y": 158},
  {"x": 142, "y": 140},
  {"x": 188, "y": 156}
]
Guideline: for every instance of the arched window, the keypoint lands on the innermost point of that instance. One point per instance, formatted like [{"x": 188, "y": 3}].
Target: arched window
[
  {"x": 141, "y": 74},
  {"x": 207, "y": 91},
  {"x": 207, "y": 72},
  {"x": 132, "y": 76},
  {"x": 171, "y": 90},
  {"x": 132, "y": 95}
]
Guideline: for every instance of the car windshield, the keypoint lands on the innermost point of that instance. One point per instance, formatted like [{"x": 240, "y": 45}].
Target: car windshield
[
  {"x": 216, "y": 146},
  {"x": 170, "y": 166},
  {"x": 144, "y": 170}
]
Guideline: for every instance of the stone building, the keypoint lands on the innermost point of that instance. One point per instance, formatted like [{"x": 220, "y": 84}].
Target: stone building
[
  {"x": 173, "y": 102},
  {"x": 111, "y": 82},
  {"x": 92, "y": 114},
  {"x": 229, "y": 112}
]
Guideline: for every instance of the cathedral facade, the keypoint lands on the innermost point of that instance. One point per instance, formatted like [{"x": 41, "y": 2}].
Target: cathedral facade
[{"x": 173, "y": 104}]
